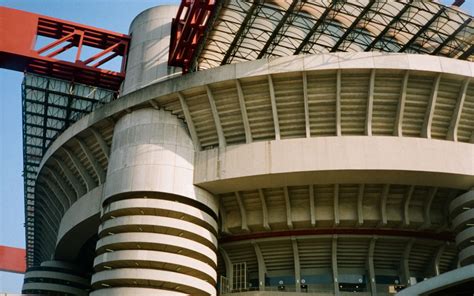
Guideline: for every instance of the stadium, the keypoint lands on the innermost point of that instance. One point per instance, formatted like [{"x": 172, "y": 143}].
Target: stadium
[{"x": 251, "y": 148}]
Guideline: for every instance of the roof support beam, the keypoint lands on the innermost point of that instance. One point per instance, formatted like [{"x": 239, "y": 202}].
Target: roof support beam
[
  {"x": 52, "y": 207},
  {"x": 335, "y": 273},
  {"x": 389, "y": 26},
  {"x": 312, "y": 205},
  {"x": 98, "y": 170},
  {"x": 426, "y": 129},
  {"x": 46, "y": 196},
  {"x": 243, "y": 110},
  {"x": 223, "y": 215},
  {"x": 229, "y": 271},
  {"x": 406, "y": 205},
  {"x": 264, "y": 209},
  {"x": 336, "y": 204},
  {"x": 274, "y": 108},
  {"x": 398, "y": 131},
  {"x": 100, "y": 140},
  {"x": 453, "y": 126},
  {"x": 383, "y": 204},
  {"x": 296, "y": 260},
  {"x": 306, "y": 105},
  {"x": 371, "y": 267},
  {"x": 70, "y": 195},
  {"x": 289, "y": 220},
  {"x": 272, "y": 40},
  {"x": 405, "y": 264},
  {"x": 422, "y": 29},
  {"x": 189, "y": 122},
  {"x": 427, "y": 208},
  {"x": 353, "y": 26},
  {"x": 360, "y": 204},
  {"x": 60, "y": 197},
  {"x": 215, "y": 115},
  {"x": 452, "y": 36},
  {"x": 90, "y": 184},
  {"x": 243, "y": 213},
  {"x": 262, "y": 269},
  {"x": 315, "y": 27},
  {"x": 80, "y": 191},
  {"x": 370, "y": 104},
  {"x": 467, "y": 53},
  {"x": 437, "y": 258},
  {"x": 338, "y": 103}
]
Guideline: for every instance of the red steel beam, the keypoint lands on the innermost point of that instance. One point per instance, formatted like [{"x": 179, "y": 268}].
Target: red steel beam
[
  {"x": 187, "y": 30},
  {"x": 19, "y": 30},
  {"x": 12, "y": 259}
]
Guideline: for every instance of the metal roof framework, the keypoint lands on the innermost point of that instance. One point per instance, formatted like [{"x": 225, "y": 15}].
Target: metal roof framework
[
  {"x": 249, "y": 30},
  {"x": 49, "y": 106}
]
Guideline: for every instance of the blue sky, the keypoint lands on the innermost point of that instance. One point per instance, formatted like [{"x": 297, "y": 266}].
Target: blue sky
[{"x": 115, "y": 15}]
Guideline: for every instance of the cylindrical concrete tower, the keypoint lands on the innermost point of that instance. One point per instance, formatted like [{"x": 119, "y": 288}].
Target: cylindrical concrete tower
[
  {"x": 148, "y": 55},
  {"x": 158, "y": 230}
]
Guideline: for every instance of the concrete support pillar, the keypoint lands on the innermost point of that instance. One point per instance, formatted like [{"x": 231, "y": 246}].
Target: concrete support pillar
[{"x": 158, "y": 230}]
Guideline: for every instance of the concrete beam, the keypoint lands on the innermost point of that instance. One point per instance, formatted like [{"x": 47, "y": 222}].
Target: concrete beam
[
  {"x": 78, "y": 187},
  {"x": 335, "y": 273},
  {"x": 401, "y": 106},
  {"x": 426, "y": 129},
  {"x": 264, "y": 210},
  {"x": 262, "y": 269},
  {"x": 405, "y": 263},
  {"x": 228, "y": 267},
  {"x": 223, "y": 216},
  {"x": 276, "y": 123},
  {"x": 243, "y": 112},
  {"x": 215, "y": 115},
  {"x": 370, "y": 104},
  {"x": 360, "y": 204},
  {"x": 90, "y": 184},
  {"x": 189, "y": 122},
  {"x": 338, "y": 102},
  {"x": 427, "y": 208},
  {"x": 98, "y": 170},
  {"x": 306, "y": 106},
  {"x": 336, "y": 205},
  {"x": 289, "y": 220},
  {"x": 60, "y": 196},
  {"x": 453, "y": 126},
  {"x": 296, "y": 260},
  {"x": 312, "y": 205},
  {"x": 243, "y": 212},
  {"x": 406, "y": 205},
  {"x": 70, "y": 194},
  {"x": 371, "y": 267},
  {"x": 383, "y": 204},
  {"x": 102, "y": 143}
]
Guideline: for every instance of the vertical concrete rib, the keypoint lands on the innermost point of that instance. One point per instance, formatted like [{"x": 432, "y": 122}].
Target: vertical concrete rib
[
  {"x": 98, "y": 170},
  {"x": 157, "y": 229},
  {"x": 336, "y": 205},
  {"x": 406, "y": 205},
  {"x": 360, "y": 205},
  {"x": 426, "y": 129},
  {"x": 312, "y": 205},
  {"x": 90, "y": 184},
  {"x": 370, "y": 104},
  {"x": 189, "y": 122},
  {"x": 243, "y": 112},
  {"x": 296, "y": 260},
  {"x": 276, "y": 122},
  {"x": 262, "y": 269},
  {"x": 398, "y": 129},
  {"x": 306, "y": 105},
  {"x": 338, "y": 102},
  {"x": 215, "y": 115},
  {"x": 453, "y": 126},
  {"x": 243, "y": 212},
  {"x": 371, "y": 267},
  {"x": 100, "y": 140},
  {"x": 289, "y": 219},
  {"x": 78, "y": 188},
  {"x": 335, "y": 273},
  {"x": 264, "y": 210}
]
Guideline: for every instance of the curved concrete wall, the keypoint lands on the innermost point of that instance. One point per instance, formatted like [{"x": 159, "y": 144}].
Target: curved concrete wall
[
  {"x": 148, "y": 55},
  {"x": 462, "y": 214},
  {"x": 158, "y": 230}
]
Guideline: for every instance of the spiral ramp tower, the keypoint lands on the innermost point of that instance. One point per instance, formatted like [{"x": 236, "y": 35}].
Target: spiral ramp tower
[{"x": 319, "y": 174}]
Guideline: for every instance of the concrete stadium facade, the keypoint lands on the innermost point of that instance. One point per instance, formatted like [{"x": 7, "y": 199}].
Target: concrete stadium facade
[{"x": 318, "y": 174}]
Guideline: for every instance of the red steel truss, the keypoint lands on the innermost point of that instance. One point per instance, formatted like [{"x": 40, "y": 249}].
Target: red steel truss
[
  {"x": 18, "y": 33},
  {"x": 12, "y": 259},
  {"x": 187, "y": 30}
]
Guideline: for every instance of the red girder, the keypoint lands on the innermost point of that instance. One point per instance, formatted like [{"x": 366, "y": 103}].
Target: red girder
[
  {"x": 18, "y": 33},
  {"x": 187, "y": 30},
  {"x": 12, "y": 259}
]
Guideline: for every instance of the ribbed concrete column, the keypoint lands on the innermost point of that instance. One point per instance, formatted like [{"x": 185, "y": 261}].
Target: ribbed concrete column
[
  {"x": 55, "y": 278},
  {"x": 462, "y": 214},
  {"x": 158, "y": 230}
]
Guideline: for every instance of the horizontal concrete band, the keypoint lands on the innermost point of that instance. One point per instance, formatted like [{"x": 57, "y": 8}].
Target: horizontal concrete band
[
  {"x": 443, "y": 281},
  {"x": 159, "y": 242},
  {"x": 49, "y": 287},
  {"x": 56, "y": 275},
  {"x": 340, "y": 231},
  {"x": 466, "y": 255},
  {"x": 460, "y": 221},
  {"x": 152, "y": 259},
  {"x": 464, "y": 237},
  {"x": 136, "y": 291},
  {"x": 159, "y": 208},
  {"x": 326, "y": 160},
  {"x": 187, "y": 229},
  {"x": 157, "y": 278}
]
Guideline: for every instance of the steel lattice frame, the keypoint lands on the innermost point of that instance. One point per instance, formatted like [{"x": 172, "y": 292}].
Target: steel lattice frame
[
  {"x": 49, "y": 107},
  {"x": 248, "y": 30}
]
